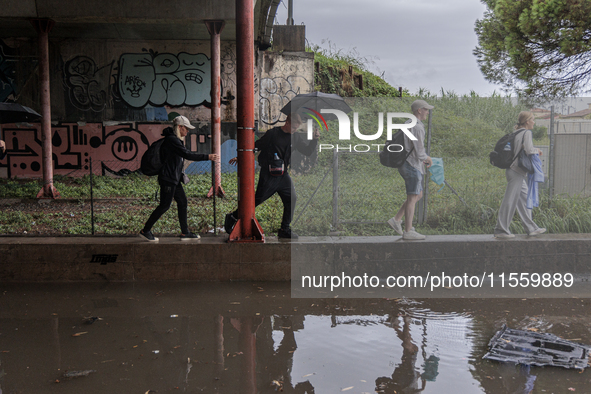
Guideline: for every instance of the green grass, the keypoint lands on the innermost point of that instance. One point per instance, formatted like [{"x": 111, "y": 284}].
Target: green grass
[{"x": 367, "y": 192}]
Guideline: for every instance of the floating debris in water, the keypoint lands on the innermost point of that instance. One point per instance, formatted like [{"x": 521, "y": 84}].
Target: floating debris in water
[
  {"x": 78, "y": 374},
  {"x": 277, "y": 384},
  {"x": 91, "y": 319},
  {"x": 533, "y": 348},
  {"x": 79, "y": 333}
]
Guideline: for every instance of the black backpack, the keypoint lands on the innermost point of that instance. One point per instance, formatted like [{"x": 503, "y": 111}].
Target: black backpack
[
  {"x": 151, "y": 160},
  {"x": 504, "y": 155},
  {"x": 397, "y": 156}
]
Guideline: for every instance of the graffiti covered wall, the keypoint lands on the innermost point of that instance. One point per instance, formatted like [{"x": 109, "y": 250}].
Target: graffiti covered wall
[
  {"x": 119, "y": 148},
  {"x": 130, "y": 82},
  {"x": 114, "y": 150},
  {"x": 124, "y": 81},
  {"x": 164, "y": 79},
  {"x": 282, "y": 76},
  {"x": 110, "y": 98}
]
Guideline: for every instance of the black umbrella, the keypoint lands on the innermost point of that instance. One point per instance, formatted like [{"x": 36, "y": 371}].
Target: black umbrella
[
  {"x": 14, "y": 113},
  {"x": 316, "y": 101}
]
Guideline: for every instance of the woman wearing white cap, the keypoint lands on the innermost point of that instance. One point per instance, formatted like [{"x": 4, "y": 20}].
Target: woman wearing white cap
[{"x": 173, "y": 153}]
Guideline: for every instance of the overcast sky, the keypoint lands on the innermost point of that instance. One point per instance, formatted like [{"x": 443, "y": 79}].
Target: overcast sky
[{"x": 415, "y": 43}]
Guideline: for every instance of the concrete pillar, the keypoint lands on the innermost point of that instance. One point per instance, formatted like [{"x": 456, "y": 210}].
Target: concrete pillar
[
  {"x": 247, "y": 228},
  {"x": 215, "y": 28},
  {"x": 43, "y": 27}
]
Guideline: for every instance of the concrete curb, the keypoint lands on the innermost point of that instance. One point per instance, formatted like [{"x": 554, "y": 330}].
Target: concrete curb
[{"x": 41, "y": 259}]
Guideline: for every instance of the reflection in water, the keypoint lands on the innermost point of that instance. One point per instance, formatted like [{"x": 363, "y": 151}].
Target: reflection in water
[
  {"x": 244, "y": 339},
  {"x": 247, "y": 327},
  {"x": 406, "y": 377},
  {"x": 282, "y": 360}
]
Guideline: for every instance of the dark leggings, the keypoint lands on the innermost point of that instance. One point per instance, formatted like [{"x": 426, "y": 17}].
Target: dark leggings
[
  {"x": 282, "y": 185},
  {"x": 167, "y": 194}
]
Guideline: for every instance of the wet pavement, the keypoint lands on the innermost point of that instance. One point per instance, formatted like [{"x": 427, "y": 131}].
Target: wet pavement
[{"x": 253, "y": 338}]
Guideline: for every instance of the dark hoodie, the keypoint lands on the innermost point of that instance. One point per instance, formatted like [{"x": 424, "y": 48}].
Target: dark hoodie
[
  {"x": 173, "y": 153},
  {"x": 278, "y": 141}
]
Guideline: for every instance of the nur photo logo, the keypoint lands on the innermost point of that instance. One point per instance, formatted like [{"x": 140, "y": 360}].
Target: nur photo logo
[
  {"x": 345, "y": 129},
  {"x": 317, "y": 117}
]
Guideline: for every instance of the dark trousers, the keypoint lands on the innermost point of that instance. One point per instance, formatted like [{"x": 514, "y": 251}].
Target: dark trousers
[
  {"x": 282, "y": 185},
  {"x": 167, "y": 194}
]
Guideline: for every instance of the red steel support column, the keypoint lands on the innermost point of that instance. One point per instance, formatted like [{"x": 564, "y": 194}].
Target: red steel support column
[
  {"x": 215, "y": 28},
  {"x": 43, "y": 27},
  {"x": 248, "y": 346},
  {"x": 247, "y": 228},
  {"x": 247, "y": 343}
]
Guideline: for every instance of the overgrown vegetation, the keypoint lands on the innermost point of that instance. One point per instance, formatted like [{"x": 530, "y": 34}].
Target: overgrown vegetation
[{"x": 340, "y": 72}]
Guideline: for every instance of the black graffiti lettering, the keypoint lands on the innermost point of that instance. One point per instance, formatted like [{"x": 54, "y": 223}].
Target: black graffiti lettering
[
  {"x": 194, "y": 77},
  {"x": 103, "y": 259},
  {"x": 87, "y": 83}
]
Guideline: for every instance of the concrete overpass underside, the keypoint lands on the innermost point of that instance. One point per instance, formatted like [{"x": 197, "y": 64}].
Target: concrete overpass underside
[{"x": 132, "y": 20}]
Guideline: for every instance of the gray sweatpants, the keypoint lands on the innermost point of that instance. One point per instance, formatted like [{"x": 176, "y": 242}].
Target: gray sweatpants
[{"x": 515, "y": 199}]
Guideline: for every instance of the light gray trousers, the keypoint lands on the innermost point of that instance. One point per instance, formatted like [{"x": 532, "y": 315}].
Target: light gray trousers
[{"x": 515, "y": 199}]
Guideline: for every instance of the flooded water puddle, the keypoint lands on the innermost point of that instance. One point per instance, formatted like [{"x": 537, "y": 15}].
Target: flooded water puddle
[{"x": 253, "y": 338}]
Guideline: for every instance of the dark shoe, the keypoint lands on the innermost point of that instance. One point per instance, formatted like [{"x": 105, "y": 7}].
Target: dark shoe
[
  {"x": 148, "y": 236},
  {"x": 230, "y": 222},
  {"x": 189, "y": 236},
  {"x": 287, "y": 233}
]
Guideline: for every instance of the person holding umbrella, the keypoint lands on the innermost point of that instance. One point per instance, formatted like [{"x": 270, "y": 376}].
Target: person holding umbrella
[{"x": 275, "y": 148}]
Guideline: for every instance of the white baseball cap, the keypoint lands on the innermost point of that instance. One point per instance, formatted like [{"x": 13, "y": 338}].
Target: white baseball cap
[
  {"x": 182, "y": 121},
  {"x": 418, "y": 104}
]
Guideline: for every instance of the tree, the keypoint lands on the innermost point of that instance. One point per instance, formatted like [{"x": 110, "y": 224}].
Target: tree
[{"x": 538, "y": 48}]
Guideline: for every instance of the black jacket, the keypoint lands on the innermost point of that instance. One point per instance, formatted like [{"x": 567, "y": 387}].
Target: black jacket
[
  {"x": 278, "y": 141},
  {"x": 173, "y": 152}
]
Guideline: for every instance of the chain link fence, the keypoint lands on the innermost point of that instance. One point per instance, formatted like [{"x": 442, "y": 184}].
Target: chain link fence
[
  {"x": 353, "y": 194},
  {"x": 113, "y": 197}
]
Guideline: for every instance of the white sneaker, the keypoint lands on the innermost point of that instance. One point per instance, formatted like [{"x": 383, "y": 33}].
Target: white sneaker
[
  {"x": 539, "y": 231},
  {"x": 412, "y": 235},
  {"x": 504, "y": 236},
  {"x": 396, "y": 225}
]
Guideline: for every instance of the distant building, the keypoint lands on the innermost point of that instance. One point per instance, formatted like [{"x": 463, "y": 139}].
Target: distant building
[
  {"x": 584, "y": 114},
  {"x": 541, "y": 113}
]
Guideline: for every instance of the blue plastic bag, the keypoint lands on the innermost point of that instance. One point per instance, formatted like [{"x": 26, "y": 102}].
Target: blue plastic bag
[{"x": 436, "y": 170}]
